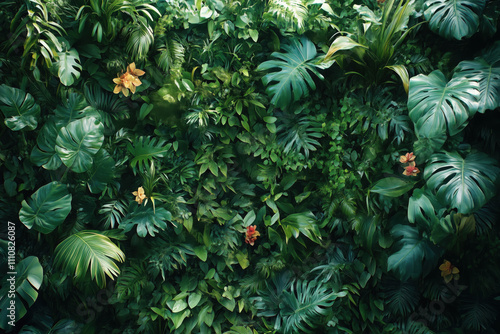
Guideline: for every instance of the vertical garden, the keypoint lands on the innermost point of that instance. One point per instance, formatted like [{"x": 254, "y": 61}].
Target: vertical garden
[{"x": 251, "y": 166}]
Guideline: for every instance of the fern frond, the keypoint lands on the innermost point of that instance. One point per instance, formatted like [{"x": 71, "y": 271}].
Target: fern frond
[
  {"x": 477, "y": 314},
  {"x": 297, "y": 134}
]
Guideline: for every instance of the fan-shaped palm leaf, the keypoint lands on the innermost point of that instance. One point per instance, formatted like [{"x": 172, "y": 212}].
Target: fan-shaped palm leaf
[
  {"x": 401, "y": 297},
  {"x": 140, "y": 39},
  {"x": 454, "y": 18},
  {"x": 293, "y": 77},
  {"x": 465, "y": 184},
  {"x": 87, "y": 249},
  {"x": 288, "y": 14}
]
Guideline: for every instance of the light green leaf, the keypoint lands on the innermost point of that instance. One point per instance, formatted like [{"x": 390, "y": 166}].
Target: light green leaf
[
  {"x": 147, "y": 220},
  {"x": 67, "y": 66},
  {"x": 392, "y": 186},
  {"x": 201, "y": 252},
  {"x": 85, "y": 249},
  {"x": 342, "y": 43},
  {"x": 47, "y": 208}
]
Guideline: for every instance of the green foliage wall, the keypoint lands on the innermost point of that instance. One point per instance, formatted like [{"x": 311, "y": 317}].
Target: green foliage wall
[{"x": 223, "y": 166}]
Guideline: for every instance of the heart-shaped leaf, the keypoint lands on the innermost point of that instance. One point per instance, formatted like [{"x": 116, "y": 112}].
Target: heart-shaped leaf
[
  {"x": 47, "y": 208},
  {"x": 78, "y": 142},
  {"x": 19, "y": 109}
]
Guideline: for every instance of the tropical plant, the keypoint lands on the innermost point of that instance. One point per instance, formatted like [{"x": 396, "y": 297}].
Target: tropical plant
[
  {"x": 293, "y": 77},
  {"x": 454, "y": 18}
]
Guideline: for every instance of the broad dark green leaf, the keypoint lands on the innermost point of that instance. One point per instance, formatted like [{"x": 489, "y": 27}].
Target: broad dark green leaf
[
  {"x": 19, "y": 109},
  {"x": 68, "y": 67},
  {"x": 293, "y": 78},
  {"x": 102, "y": 172},
  {"x": 148, "y": 221},
  {"x": 454, "y": 18},
  {"x": 47, "y": 208},
  {"x": 27, "y": 280},
  {"x": 436, "y": 105},
  {"x": 44, "y": 153},
  {"x": 463, "y": 184},
  {"x": 415, "y": 256},
  {"x": 78, "y": 142}
]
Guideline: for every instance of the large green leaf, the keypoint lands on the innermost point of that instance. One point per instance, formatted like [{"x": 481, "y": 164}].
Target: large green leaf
[
  {"x": 301, "y": 223},
  {"x": 102, "y": 172},
  {"x": 19, "y": 109},
  {"x": 73, "y": 108},
  {"x": 486, "y": 71},
  {"x": 147, "y": 219},
  {"x": 454, "y": 18},
  {"x": 422, "y": 208},
  {"x": 87, "y": 249},
  {"x": 144, "y": 149},
  {"x": 392, "y": 186},
  {"x": 67, "y": 67},
  {"x": 28, "y": 279},
  {"x": 416, "y": 255},
  {"x": 44, "y": 153},
  {"x": 436, "y": 105},
  {"x": 47, "y": 208},
  {"x": 78, "y": 142},
  {"x": 293, "y": 77},
  {"x": 464, "y": 184}
]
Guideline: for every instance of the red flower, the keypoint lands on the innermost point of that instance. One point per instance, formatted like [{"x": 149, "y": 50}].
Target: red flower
[
  {"x": 251, "y": 234},
  {"x": 408, "y": 157},
  {"x": 411, "y": 170}
]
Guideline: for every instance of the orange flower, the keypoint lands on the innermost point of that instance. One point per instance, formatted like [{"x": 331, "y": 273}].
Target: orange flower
[
  {"x": 139, "y": 195},
  {"x": 128, "y": 80},
  {"x": 448, "y": 271},
  {"x": 411, "y": 170},
  {"x": 408, "y": 157},
  {"x": 251, "y": 235}
]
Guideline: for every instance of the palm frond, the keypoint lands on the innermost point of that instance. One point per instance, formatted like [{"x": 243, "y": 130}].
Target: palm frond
[
  {"x": 172, "y": 53},
  {"x": 113, "y": 213},
  {"x": 477, "y": 314},
  {"x": 87, "y": 249},
  {"x": 288, "y": 14},
  {"x": 296, "y": 134},
  {"x": 108, "y": 105},
  {"x": 401, "y": 297},
  {"x": 140, "y": 39},
  {"x": 131, "y": 281}
]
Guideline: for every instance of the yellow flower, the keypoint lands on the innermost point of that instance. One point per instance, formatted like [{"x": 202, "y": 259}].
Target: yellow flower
[
  {"x": 128, "y": 80},
  {"x": 139, "y": 195},
  {"x": 448, "y": 271},
  {"x": 408, "y": 157}
]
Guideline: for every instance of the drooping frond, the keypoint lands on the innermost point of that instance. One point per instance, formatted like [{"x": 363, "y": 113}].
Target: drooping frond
[{"x": 288, "y": 14}]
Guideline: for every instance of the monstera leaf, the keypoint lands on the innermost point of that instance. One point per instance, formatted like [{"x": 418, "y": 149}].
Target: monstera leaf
[
  {"x": 464, "y": 184},
  {"x": 28, "y": 279},
  {"x": 486, "y": 71},
  {"x": 454, "y": 18},
  {"x": 87, "y": 249},
  {"x": 293, "y": 77},
  {"x": 78, "y": 142},
  {"x": 44, "y": 153},
  {"x": 416, "y": 256},
  {"x": 19, "y": 109},
  {"x": 102, "y": 172},
  {"x": 147, "y": 219},
  {"x": 47, "y": 208},
  {"x": 436, "y": 105},
  {"x": 67, "y": 67}
]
